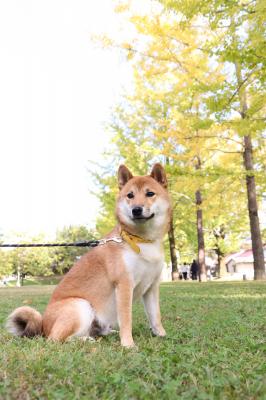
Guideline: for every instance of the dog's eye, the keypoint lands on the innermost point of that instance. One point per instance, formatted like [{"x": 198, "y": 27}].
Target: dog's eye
[
  {"x": 130, "y": 195},
  {"x": 150, "y": 194}
]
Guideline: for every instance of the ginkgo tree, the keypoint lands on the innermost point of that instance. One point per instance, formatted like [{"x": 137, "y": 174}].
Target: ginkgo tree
[
  {"x": 178, "y": 106},
  {"x": 139, "y": 138},
  {"x": 233, "y": 34}
]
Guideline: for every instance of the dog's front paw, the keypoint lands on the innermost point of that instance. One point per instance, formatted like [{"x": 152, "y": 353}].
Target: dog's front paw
[
  {"x": 128, "y": 343},
  {"x": 158, "y": 331}
]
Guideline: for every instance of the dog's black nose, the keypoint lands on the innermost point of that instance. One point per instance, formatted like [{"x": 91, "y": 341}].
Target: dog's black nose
[{"x": 137, "y": 211}]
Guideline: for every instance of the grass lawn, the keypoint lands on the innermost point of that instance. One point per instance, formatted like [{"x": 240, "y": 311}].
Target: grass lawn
[
  {"x": 37, "y": 280},
  {"x": 215, "y": 349}
]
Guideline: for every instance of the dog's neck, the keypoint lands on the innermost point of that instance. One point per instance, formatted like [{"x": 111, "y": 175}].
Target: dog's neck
[
  {"x": 133, "y": 240},
  {"x": 147, "y": 235}
]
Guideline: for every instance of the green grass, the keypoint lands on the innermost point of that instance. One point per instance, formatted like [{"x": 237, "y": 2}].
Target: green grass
[
  {"x": 37, "y": 280},
  {"x": 216, "y": 349}
]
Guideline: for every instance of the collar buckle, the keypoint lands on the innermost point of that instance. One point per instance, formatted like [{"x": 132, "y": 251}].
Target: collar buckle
[{"x": 116, "y": 239}]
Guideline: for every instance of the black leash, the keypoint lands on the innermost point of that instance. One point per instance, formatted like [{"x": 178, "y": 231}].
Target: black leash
[
  {"x": 86, "y": 243},
  {"x": 89, "y": 243}
]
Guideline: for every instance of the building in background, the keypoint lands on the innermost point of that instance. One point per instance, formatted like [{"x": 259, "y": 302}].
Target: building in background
[{"x": 240, "y": 265}]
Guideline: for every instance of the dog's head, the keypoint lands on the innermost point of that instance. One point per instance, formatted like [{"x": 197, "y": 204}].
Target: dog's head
[{"x": 143, "y": 203}]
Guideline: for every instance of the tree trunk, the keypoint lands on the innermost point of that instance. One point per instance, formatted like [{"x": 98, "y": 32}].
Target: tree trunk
[
  {"x": 257, "y": 247},
  {"x": 223, "y": 271},
  {"x": 201, "y": 245},
  {"x": 171, "y": 237},
  {"x": 18, "y": 284},
  {"x": 200, "y": 233},
  {"x": 220, "y": 257}
]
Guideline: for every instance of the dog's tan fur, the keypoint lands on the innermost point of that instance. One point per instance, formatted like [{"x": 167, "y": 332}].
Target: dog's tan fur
[{"x": 99, "y": 289}]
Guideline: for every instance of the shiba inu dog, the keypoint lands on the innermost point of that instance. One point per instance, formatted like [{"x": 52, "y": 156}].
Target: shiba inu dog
[{"x": 97, "y": 293}]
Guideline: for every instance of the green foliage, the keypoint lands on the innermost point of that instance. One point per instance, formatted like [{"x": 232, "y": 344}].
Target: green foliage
[
  {"x": 6, "y": 264},
  {"x": 33, "y": 261},
  {"x": 186, "y": 107},
  {"x": 44, "y": 261},
  {"x": 64, "y": 257},
  {"x": 131, "y": 146},
  {"x": 106, "y": 183}
]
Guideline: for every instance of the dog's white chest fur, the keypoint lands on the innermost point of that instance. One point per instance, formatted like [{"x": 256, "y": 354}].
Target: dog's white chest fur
[{"x": 144, "y": 268}]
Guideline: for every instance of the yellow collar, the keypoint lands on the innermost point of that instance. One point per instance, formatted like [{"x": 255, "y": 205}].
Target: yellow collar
[{"x": 132, "y": 240}]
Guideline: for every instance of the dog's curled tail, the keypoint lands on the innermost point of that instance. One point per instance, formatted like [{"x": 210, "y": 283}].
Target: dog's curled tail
[{"x": 25, "y": 321}]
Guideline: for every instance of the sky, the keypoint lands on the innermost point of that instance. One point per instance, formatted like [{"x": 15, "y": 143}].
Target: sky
[{"x": 56, "y": 92}]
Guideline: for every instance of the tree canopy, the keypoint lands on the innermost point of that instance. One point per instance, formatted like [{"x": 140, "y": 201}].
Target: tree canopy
[{"x": 198, "y": 101}]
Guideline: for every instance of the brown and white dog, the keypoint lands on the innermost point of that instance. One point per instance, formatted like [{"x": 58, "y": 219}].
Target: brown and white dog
[{"x": 97, "y": 293}]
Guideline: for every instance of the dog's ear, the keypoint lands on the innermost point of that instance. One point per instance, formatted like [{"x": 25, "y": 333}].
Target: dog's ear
[
  {"x": 159, "y": 175},
  {"x": 124, "y": 175}
]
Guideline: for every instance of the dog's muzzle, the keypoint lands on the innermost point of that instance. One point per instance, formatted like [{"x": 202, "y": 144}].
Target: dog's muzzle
[{"x": 137, "y": 214}]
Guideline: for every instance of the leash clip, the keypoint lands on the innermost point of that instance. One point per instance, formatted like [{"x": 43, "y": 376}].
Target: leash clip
[{"x": 116, "y": 239}]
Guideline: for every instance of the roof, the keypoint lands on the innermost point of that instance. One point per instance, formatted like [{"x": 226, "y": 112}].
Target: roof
[{"x": 245, "y": 256}]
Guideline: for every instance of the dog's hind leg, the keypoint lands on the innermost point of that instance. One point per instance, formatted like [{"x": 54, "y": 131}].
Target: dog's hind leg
[{"x": 74, "y": 318}]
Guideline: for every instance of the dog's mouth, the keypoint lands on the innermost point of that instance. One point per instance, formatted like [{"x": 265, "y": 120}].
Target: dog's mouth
[{"x": 142, "y": 218}]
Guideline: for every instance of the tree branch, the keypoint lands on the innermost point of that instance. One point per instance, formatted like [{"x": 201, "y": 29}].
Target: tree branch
[
  {"x": 240, "y": 85},
  {"x": 212, "y": 137},
  {"x": 224, "y": 151}
]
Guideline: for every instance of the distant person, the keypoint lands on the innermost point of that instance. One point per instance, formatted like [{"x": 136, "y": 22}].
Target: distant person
[
  {"x": 194, "y": 269},
  {"x": 180, "y": 275},
  {"x": 184, "y": 271}
]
